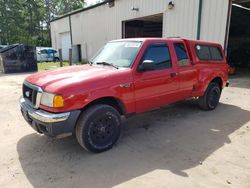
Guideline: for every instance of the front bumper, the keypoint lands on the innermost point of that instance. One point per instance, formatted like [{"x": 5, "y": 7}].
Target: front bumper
[{"x": 51, "y": 124}]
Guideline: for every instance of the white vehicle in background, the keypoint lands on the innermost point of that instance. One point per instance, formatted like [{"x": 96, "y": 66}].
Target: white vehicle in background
[
  {"x": 47, "y": 54},
  {"x": 3, "y": 46}
]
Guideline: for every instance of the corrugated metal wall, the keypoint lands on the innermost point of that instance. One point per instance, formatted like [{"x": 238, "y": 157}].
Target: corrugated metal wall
[
  {"x": 182, "y": 20},
  {"x": 214, "y": 20},
  {"x": 95, "y": 27},
  {"x": 58, "y": 27}
]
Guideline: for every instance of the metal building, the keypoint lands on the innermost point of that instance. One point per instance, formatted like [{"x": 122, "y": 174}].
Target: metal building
[{"x": 86, "y": 30}]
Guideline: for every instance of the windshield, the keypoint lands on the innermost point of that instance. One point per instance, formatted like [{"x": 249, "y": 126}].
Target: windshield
[{"x": 119, "y": 54}]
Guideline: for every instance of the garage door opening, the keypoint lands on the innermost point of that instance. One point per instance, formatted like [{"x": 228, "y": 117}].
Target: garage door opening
[
  {"x": 239, "y": 37},
  {"x": 150, "y": 26},
  {"x": 65, "y": 45}
]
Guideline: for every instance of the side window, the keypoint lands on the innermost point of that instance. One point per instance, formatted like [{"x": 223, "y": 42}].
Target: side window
[
  {"x": 44, "y": 51},
  {"x": 216, "y": 53},
  {"x": 181, "y": 54},
  {"x": 208, "y": 53},
  {"x": 159, "y": 54},
  {"x": 203, "y": 52}
]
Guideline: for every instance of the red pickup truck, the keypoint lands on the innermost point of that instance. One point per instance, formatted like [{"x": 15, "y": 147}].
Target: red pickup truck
[{"x": 125, "y": 77}]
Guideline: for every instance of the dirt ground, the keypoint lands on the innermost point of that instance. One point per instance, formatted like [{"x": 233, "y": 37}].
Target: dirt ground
[{"x": 178, "y": 146}]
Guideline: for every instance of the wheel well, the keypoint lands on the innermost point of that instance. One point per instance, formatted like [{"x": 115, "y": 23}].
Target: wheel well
[
  {"x": 218, "y": 80},
  {"x": 111, "y": 101}
]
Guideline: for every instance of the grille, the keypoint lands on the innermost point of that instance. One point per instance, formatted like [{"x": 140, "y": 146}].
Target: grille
[
  {"x": 31, "y": 94},
  {"x": 28, "y": 93}
]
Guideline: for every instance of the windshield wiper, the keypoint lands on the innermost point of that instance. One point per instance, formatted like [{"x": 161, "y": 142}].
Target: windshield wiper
[{"x": 108, "y": 64}]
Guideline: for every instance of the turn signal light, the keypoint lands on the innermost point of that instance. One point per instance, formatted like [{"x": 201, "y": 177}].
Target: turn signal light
[{"x": 58, "y": 101}]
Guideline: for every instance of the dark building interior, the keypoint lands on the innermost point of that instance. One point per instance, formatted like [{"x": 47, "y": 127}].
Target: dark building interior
[
  {"x": 238, "y": 50},
  {"x": 150, "y": 26}
]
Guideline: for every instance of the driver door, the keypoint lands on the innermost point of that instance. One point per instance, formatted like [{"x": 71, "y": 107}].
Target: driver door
[{"x": 155, "y": 88}]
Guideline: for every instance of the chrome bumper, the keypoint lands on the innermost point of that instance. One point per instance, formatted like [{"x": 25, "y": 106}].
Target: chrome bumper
[{"x": 42, "y": 115}]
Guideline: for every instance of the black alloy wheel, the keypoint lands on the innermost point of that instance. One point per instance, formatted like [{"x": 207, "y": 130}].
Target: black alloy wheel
[{"x": 98, "y": 128}]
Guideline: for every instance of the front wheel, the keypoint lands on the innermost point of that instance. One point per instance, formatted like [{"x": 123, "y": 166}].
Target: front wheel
[
  {"x": 98, "y": 128},
  {"x": 211, "y": 98}
]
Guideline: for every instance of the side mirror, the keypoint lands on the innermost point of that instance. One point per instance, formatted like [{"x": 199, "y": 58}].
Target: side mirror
[{"x": 147, "y": 65}]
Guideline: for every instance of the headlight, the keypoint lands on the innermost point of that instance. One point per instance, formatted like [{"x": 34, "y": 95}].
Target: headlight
[{"x": 52, "y": 100}]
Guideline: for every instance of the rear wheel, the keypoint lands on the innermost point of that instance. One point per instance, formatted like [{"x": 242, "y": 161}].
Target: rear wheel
[
  {"x": 98, "y": 128},
  {"x": 211, "y": 98}
]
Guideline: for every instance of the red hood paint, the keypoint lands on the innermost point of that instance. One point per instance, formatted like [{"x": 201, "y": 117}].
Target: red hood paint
[{"x": 56, "y": 81}]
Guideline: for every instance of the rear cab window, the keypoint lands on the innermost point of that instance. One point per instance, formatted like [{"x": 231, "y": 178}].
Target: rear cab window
[{"x": 208, "y": 52}]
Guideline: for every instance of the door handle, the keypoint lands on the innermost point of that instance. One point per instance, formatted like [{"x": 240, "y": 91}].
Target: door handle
[{"x": 173, "y": 74}]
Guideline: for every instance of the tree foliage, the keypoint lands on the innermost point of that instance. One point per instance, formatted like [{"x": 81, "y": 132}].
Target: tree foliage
[{"x": 27, "y": 21}]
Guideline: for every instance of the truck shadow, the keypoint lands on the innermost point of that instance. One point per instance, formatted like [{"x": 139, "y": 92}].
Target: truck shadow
[{"x": 175, "y": 138}]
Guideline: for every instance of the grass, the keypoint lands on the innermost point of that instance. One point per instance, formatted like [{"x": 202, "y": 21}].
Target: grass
[
  {"x": 50, "y": 65},
  {"x": 53, "y": 65}
]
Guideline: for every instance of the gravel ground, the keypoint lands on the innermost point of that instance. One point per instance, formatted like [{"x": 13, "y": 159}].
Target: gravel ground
[{"x": 177, "y": 146}]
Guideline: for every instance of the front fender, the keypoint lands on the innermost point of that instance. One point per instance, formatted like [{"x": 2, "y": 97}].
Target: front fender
[{"x": 124, "y": 95}]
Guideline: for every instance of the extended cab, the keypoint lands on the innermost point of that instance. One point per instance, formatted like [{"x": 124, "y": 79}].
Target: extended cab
[{"x": 125, "y": 77}]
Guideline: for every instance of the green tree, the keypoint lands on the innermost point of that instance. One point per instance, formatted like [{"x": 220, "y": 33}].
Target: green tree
[
  {"x": 60, "y": 7},
  {"x": 11, "y": 19},
  {"x": 27, "y": 21}
]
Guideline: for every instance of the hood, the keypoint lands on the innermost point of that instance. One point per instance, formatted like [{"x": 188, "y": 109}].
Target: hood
[{"x": 53, "y": 80}]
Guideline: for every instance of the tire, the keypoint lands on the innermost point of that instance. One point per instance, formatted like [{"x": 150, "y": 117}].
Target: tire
[
  {"x": 98, "y": 128},
  {"x": 211, "y": 98}
]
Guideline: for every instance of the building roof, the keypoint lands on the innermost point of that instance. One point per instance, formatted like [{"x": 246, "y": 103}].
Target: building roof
[{"x": 82, "y": 10}]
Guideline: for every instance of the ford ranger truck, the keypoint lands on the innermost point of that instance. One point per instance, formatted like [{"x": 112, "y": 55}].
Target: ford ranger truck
[{"x": 125, "y": 77}]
